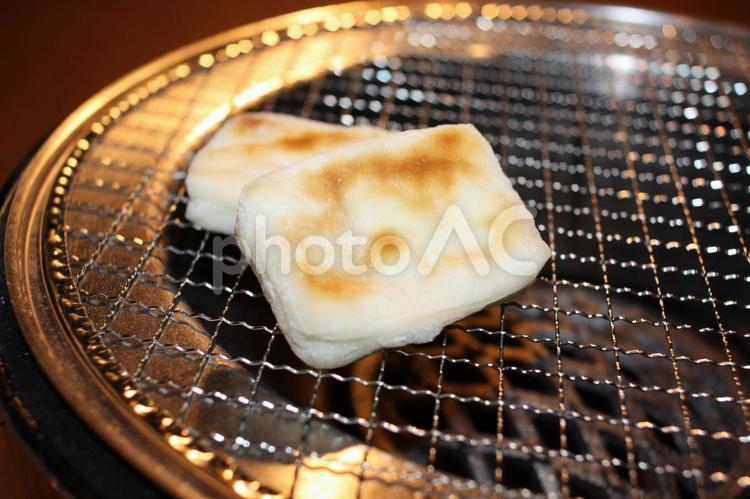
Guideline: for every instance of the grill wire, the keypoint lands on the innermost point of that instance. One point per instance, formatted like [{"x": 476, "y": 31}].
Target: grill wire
[{"x": 623, "y": 370}]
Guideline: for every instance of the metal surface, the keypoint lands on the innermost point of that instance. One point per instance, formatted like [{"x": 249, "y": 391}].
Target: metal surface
[{"x": 623, "y": 370}]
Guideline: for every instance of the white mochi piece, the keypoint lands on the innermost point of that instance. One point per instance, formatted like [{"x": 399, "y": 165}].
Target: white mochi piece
[
  {"x": 247, "y": 146},
  {"x": 403, "y": 186}
]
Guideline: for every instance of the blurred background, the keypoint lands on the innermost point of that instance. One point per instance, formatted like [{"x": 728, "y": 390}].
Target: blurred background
[{"x": 55, "y": 55}]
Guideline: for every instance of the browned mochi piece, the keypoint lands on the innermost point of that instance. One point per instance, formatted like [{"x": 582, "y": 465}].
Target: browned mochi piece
[
  {"x": 247, "y": 146},
  {"x": 405, "y": 195}
]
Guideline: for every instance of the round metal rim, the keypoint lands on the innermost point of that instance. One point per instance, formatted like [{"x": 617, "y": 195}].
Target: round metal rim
[
  {"x": 49, "y": 336},
  {"x": 58, "y": 354}
]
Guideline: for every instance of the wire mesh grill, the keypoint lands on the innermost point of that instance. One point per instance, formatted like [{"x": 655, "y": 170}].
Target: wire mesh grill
[{"x": 623, "y": 370}]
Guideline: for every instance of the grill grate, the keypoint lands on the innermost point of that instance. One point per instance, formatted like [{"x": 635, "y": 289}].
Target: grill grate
[{"x": 623, "y": 370}]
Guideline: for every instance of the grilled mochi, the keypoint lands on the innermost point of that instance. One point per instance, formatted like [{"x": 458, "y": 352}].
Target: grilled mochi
[
  {"x": 247, "y": 146},
  {"x": 436, "y": 231}
]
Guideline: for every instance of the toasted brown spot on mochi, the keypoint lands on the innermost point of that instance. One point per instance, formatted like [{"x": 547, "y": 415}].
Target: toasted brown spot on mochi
[
  {"x": 390, "y": 249},
  {"x": 308, "y": 141},
  {"x": 390, "y": 254},
  {"x": 338, "y": 284},
  {"x": 249, "y": 121},
  {"x": 315, "y": 139},
  {"x": 422, "y": 178}
]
